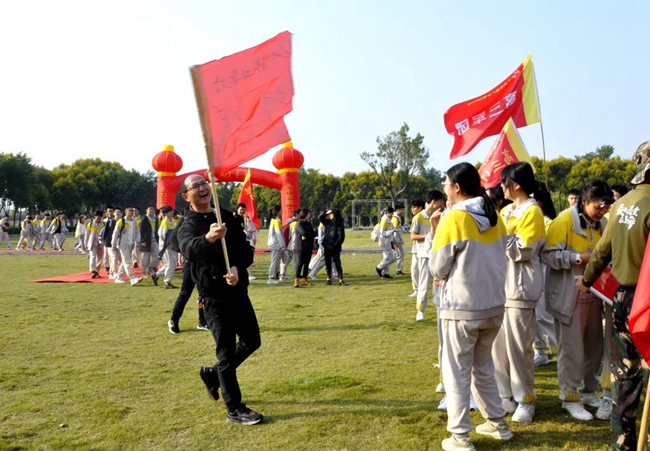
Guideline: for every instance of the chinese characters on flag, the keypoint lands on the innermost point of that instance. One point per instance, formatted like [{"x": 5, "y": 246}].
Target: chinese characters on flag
[
  {"x": 484, "y": 116},
  {"x": 246, "y": 197},
  {"x": 242, "y": 101},
  {"x": 507, "y": 149}
]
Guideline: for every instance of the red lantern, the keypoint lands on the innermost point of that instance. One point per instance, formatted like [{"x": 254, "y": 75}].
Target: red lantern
[
  {"x": 167, "y": 163},
  {"x": 288, "y": 158}
]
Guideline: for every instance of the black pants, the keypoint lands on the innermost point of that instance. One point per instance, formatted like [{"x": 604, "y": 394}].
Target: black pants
[
  {"x": 303, "y": 256},
  {"x": 335, "y": 255},
  {"x": 187, "y": 286},
  {"x": 228, "y": 318}
]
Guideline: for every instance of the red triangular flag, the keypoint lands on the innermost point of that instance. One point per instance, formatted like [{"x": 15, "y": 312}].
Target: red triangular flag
[
  {"x": 246, "y": 197},
  {"x": 639, "y": 320}
]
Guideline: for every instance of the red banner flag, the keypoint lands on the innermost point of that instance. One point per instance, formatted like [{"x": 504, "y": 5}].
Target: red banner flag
[
  {"x": 242, "y": 101},
  {"x": 246, "y": 197},
  {"x": 605, "y": 286},
  {"x": 484, "y": 116},
  {"x": 507, "y": 149},
  {"x": 639, "y": 320}
]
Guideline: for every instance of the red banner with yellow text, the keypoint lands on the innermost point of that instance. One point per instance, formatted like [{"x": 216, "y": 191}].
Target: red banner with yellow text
[
  {"x": 246, "y": 198},
  {"x": 471, "y": 121},
  {"x": 507, "y": 149}
]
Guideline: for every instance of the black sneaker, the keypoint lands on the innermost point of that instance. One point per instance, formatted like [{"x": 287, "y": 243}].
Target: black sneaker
[
  {"x": 173, "y": 326},
  {"x": 244, "y": 415},
  {"x": 202, "y": 326},
  {"x": 135, "y": 265},
  {"x": 379, "y": 273},
  {"x": 169, "y": 286},
  {"x": 211, "y": 381},
  {"x": 399, "y": 273},
  {"x": 341, "y": 282},
  {"x": 329, "y": 281},
  {"x": 96, "y": 275},
  {"x": 154, "y": 278},
  {"x": 386, "y": 276}
]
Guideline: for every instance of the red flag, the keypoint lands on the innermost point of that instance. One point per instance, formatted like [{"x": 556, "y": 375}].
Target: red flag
[
  {"x": 246, "y": 197},
  {"x": 242, "y": 101},
  {"x": 507, "y": 149},
  {"x": 484, "y": 116},
  {"x": 605, "y": 286},
  {"x": 639, "y": 320}
]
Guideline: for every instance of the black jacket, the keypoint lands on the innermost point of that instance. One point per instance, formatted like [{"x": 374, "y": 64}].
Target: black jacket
[
  {"x": 306, "y": 235},
  {"x": 107, "y": 235},
  {"x": 146, "y": 233},
  {"x": 334, "y": 234},
  {"x": 207, "y": 262}
]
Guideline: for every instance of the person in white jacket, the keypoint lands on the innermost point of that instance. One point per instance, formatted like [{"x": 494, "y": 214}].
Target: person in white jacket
[
  {"x": 80, "y": 235},
  {"x": 125, "y": 235},
  {"x": 4, "y": 231},
  {"x": 169, "y": 255},
  {"x": 386, "y": 244},
  {"x": 276, "y": 244},
  {"x": 94, "y": 245}
]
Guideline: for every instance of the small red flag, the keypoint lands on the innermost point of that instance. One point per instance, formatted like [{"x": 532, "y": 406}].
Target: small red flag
[
  {"x": 639, "y": 320},
  {"x": 246, "y": 197},
  {"x": 507, "y": 149},
  {"x": 242, "y": 101},
  {"x": 471, "y": 121}
]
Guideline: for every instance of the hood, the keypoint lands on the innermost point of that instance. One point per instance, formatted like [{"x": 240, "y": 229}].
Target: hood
[{"x": 475, "y": 207}]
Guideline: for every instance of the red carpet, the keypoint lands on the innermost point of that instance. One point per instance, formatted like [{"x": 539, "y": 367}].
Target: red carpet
[{"x": 84, "y": 277}]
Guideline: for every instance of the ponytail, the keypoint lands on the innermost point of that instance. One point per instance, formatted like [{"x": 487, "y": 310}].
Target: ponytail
[
  {"x": 488, "y": 205},
  {"x": 543, "y": 196}
]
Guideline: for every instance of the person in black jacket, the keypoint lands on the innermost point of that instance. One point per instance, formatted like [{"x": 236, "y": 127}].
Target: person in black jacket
[
  {"x": 227, "y": 307},
  {"x": 304, "y": 241},
  {"x": 149, "y": 243},
  {"x": 107, "y": 237},
  {"x": 333, "y": 239}
]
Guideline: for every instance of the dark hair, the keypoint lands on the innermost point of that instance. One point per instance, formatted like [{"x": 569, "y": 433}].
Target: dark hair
[
  {"x": 496, "y": 195},
  {"x": 107, "y": 207},
  {"x": 466, "y": 176},
  {"x": 620, "y": 189},
  {"x": 304, "y": 212},
  {"x": 241, "y": 205},
  {"x": 99, "y": 213},
  {"x": 151, "y": 206},
  {"x": 398, "y": 206},
  {"x": 390, "y": 210},
  {"x": 574, "y": 192},
  {"x": 297, "y": 211},
  {"x": 520, "y": 173},
  {"x": 166, "y": 209},
  {"x": 543, "y": 197},
  {"x": 434, "y": 194},
  {"x": 274, "y": 211},
  {"x": 595, "y": 190},
  {"x": 338, "y": 218},
  {"x": 417, "y": 203}
]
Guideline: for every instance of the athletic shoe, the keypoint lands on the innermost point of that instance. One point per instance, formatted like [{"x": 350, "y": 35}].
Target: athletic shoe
[
  {"x": 525, "y": 413},
  {"x": 111, "y": 276},
  {"x": 284, "y": 279},
  {"x": 313, "y": 277},
  {"x": 173, "y": 326},
  {"x": 500, "y": 431},
  {"x": 202, "y": 326},
  {"x": 169, "y": 286},
  {"x": 135, "y": 280},
  {"x": 154, "y": 278},
  {"x": 329, "y": 282},
  {"x": 577, "y": 411},
  {"x": 541, "y": 359},
  {"x": 419, "y": 316},
  {"x": 245, "y": 416},
  {"x": 454, "y": 443},
  {"x": 251, "y": 277},
  {"x": 272, "y": 282},
  {"x": 590, "y": 399},
  {"x": 95, "y": 275},
  {"x": 399, "y": 273},
  {"x": 440, "y": 388},
  {"x": 604, "y": 412},
  {"x": 211, "y": 381},
  {"x": 508, "y": 405},
  {"x": 379, "y": 273},
  {"x": 414, "y": 294},
  {"x": 443, "y": 404},
  {"x": 386, "y": 276},
  {"x": 135, "y": 265},
  {"x": 118, "y": 280},
  {"x": 341, "y": 282}
]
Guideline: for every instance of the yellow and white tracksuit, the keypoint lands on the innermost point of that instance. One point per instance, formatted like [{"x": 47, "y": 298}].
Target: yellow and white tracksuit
[
  {"x": 277, "y": 245},
  {"x": 170, "y": 256},
  {"x": 95, "y": 248},
  {"x": 386, "y": 238},
  {"x": 421, "y": 226},
  {"x": 125, "y": 235}
]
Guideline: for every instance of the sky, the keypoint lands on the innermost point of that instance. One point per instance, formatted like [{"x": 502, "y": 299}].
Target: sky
[{"x": 83, "y": 79}]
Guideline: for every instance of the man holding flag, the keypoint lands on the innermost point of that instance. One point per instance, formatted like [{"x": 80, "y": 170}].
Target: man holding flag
[{"x": 623, "y": 244}]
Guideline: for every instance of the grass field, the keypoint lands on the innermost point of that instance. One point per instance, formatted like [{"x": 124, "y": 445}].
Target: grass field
[{"x": 340, "y": 368}]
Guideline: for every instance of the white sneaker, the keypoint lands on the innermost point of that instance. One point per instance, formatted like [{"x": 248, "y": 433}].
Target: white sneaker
[
  {"x": 525, "y": 413},
  {"x": 284, "y": 279},
  {"x": 440, "y": 388},
  {"x": 604, "y": 412},
  {"x": 577, "y": 411},
  {"x": 541, "y": 359},
  {"x": 273, "y": 282},
  {"x": 454, "y": 443},
  {"x": 500, "y": 431},
  {"x": 443, "y": 404},
  {"x": 313, "y": 278},
  {"x": 508, "y": 405},
  {"x": 135, "y": 280},
  {"x": 111, "y": 276},
  {"x": 590, "y": 399},
  {"x": 251, "y": 277},
  {"x": 414, "y": 294},
  {"x": 419, "y": 316},
  {"x": 119, "y": 281}
]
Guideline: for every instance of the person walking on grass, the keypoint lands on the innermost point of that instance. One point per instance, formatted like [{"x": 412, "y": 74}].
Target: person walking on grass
[
  {"x": 333, "y": 239},
  {"x": 126, "y": 233},
  {"x": 94, "y": 245},
  {"x": 4, "y": 231},
  {"x": 304, "y": 244},
  {"x": 386, "y": 244},
  {"x": 398, "y": 238},
  {"x": 228, "y": 309}
]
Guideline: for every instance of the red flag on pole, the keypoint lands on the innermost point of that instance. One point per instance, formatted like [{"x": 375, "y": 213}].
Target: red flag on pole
[
  {"x": 246, "y": 197},
  {"x": 639, "y": 320},
  {"x": 242, "y": 100},
  {"x": 471, "y": 121}
]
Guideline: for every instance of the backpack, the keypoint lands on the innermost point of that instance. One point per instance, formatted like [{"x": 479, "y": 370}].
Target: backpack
[{"x": 376, "y": 231}]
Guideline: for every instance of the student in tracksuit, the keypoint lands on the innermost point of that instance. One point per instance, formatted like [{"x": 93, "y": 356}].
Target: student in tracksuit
[
  {"x": 472, "y": 304},
  {"x": 398, "y": 239},
  {"x": 513, "y": 348},
  {"x": 318, "y": 262},
  {"x": 276, "y": 244},
  {"x": 386, "y": 244},
  {"x": 107, "y": 235},
  {"x": 44, "y": 234},
  {"x": 290, "y": 255},
  {"x": 4, "y": 231},
  {"x": 94, "y": 245},
  {"x": 26, "y": 232},
  {"x": 570, "y": 241},
  {"x": 125, "y": 235},
  {"x": 416, "y": 207},
  {"x": 149, "y": 243},
  {"x": 169, "y": 255}
]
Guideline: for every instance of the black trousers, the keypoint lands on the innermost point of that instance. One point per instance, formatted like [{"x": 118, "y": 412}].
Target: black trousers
[
  {"x": 333, "y": 255},
  {"x": 187, "y": 286},
  {"x": 303, "y": 256},
  {"x": 229, "y": 318}
]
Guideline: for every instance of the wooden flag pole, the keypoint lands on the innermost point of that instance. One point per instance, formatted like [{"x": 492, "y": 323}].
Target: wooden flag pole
[
  {"x": 642, "y": 438},
  {"x": 541, "y": 122},
  {"x": 195, "y": 71}
]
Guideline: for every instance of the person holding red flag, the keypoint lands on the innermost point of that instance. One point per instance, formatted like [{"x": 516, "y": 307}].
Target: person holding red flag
[{"x": 623, "y": 244}]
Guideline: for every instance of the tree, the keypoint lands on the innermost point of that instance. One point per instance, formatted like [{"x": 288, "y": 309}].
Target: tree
[
  {"x": 604, "y": 152},
  {"x": 398, "y": 157}
]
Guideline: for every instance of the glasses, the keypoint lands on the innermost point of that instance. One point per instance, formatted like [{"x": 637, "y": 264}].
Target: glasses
[{"x": 196, "y": 186}]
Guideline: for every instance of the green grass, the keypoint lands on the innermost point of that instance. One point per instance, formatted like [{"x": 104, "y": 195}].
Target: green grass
[{"x": 340, "y": 368}]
